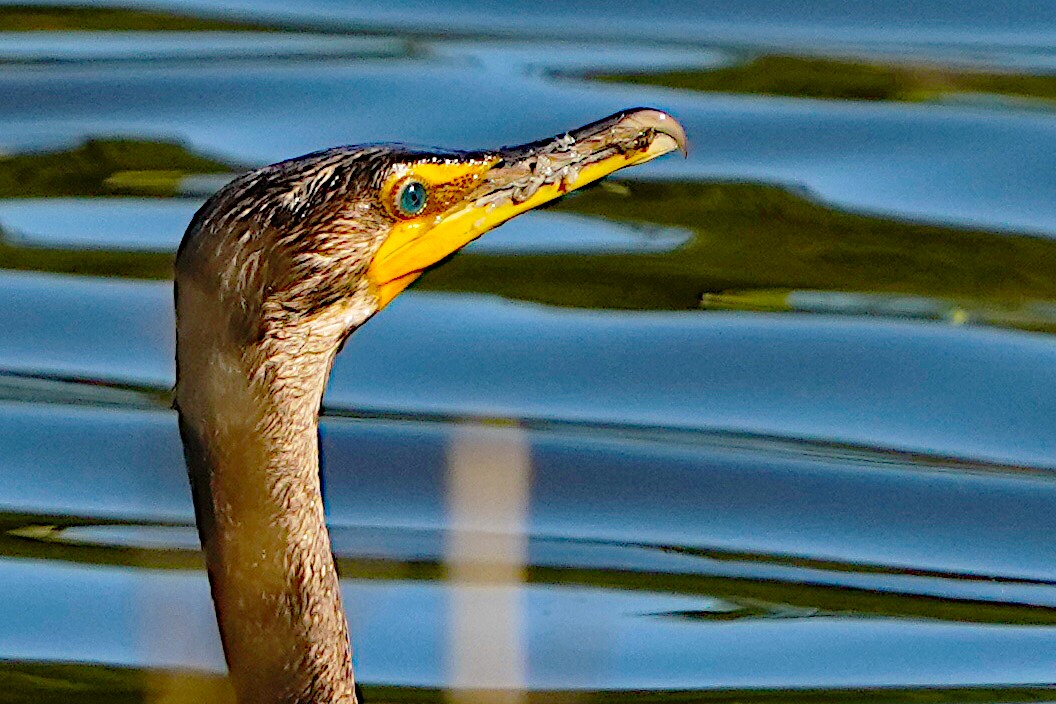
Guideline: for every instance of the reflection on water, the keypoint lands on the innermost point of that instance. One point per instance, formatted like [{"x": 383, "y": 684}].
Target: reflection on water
[
  {"x": 637, "y": 597},
  {"x": 76, "y": 47},
  {"x": 773, "y": 424},
  {"x": 865, "y": 79}
]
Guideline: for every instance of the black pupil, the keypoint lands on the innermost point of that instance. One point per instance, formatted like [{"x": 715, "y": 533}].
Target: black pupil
[{"x": 412, "y": 199}]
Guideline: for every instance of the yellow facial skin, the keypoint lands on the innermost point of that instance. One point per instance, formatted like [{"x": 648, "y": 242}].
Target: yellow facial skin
[
  {"x": 450, "y": 221},
  {"x": 419, "y": 242}
]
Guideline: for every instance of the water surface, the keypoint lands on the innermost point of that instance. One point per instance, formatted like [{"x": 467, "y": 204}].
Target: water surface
[{"x": 773, "y": 423}]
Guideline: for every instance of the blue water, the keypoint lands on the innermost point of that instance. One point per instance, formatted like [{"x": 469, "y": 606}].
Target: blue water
[{"x": 708, "y": 500}]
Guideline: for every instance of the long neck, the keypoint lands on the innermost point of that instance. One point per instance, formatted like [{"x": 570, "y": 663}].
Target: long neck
[{"x": 249, "y": 423}]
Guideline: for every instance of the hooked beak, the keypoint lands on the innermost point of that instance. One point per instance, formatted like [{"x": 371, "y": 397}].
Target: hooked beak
[{"x": 514, "y": 180}]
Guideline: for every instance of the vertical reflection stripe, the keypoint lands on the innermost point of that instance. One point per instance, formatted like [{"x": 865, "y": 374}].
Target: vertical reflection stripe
[{"x": 488, "y": 480}]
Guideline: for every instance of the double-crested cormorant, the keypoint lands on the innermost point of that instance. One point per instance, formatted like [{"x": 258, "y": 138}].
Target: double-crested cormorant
[{"x": 273, "y": 274}]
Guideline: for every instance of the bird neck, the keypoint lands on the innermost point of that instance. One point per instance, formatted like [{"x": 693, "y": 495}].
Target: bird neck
[{"x": 249, "y": 424}]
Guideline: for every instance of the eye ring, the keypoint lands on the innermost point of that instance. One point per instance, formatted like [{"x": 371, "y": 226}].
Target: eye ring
[{"x": 411, "y": 198}]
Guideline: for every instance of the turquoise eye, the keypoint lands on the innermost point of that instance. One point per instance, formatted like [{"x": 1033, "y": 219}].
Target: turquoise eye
[{"x": 412, "y": 198}]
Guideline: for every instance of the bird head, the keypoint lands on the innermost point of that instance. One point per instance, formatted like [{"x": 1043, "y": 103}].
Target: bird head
[{"x": 323, "y": 241}]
